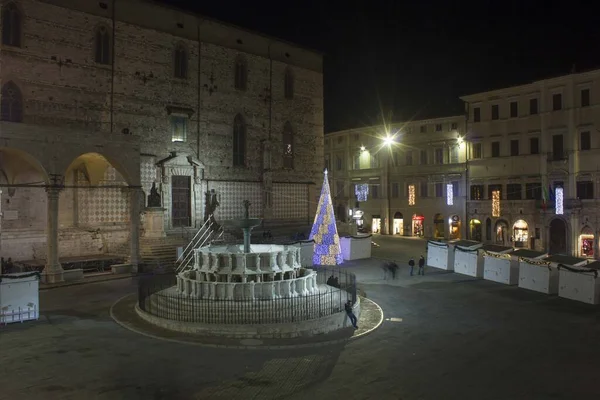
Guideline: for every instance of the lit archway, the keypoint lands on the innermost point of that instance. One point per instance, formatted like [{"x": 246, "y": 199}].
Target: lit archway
[
  {"x": 398, "y": 223},
  {"x": 586, "y": 242},
  {"x": 438, "y": 226},
  {"x": 520, "y": 233},
  {"x": 475, "y": 230},
  {"x": 558, "y": 236},
  {"x": 454, "y": 227}
]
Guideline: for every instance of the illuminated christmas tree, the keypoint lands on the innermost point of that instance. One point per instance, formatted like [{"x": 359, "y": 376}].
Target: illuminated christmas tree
[{"x": 327, "y": 249}]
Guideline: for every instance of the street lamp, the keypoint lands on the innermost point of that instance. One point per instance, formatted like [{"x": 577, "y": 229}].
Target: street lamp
[{"x": 388, "y": 141}]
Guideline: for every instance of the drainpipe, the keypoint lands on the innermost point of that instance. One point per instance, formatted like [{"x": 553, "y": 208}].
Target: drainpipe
[
  {"x": 199, "y": 88},
  {"x": 112, "y": 74},
  {"x": 467, "y": 188}
]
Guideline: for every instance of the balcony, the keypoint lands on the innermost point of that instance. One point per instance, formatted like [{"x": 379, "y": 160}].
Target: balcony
[{"x": 557, "y": 157}]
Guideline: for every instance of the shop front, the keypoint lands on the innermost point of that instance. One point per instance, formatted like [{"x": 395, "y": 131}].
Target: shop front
[
  {"x": 438, "y": 226},
  {"x": 520, "y": 234},
  {"x": 417, "y": 225},
  {"x": 475, "y": 230},
  {"x": 398, "y": 224},
  {"x": 454, "y": 227},
  {"x": 501, "y": 232},
  {"x": 586, "y": 242},
  {"x": 376, "y": 224}
]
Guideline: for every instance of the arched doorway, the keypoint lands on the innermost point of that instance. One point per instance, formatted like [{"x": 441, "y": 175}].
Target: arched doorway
[
  {"x": 454, "y": 224},
  {"x": 501, "y": 232},
  {"x": 558, "y": 237},
  {"x": 520, "y": 233},
  {"x": 417, "y": 225},
  {"x": 438, "y": 226},
  {"x": 475, "y": 230},
  {"x": 376, "y": 224},
  {"x": 398, "y": 223},
  {"x": 586, "y": 242},
  {"x": 488, "y": 229}
]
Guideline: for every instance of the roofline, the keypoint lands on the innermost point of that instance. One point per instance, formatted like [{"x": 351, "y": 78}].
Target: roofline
[
  {"x": 230, "y": 25},
  {"x": 396, "y": 124},
  {"x": 472, "y": 96}
]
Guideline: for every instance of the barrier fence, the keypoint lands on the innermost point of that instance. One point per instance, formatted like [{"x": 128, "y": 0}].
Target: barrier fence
[{"x": 157, "y": 296}]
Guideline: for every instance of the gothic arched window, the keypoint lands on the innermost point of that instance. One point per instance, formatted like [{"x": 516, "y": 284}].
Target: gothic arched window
[
  {"x": 12, "y": 103},
  {"x": 241, "y": 73},
  {"x": 11, "y": 25},
  {"x": 181, "y": 62},
  {"x": 102, "y": 53},
  {"x": 288, "y": 146},
  {"x": 239, "y": 141},
  {"x": 289, "y": 84}
]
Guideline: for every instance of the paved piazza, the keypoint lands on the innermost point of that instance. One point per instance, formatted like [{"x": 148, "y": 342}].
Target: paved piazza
[{"x": 445, "y": 337}]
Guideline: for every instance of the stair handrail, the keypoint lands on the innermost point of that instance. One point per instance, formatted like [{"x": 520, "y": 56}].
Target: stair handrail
[
  {"x": 184, "y": 266},
  {"x": 201, "y": 230}
]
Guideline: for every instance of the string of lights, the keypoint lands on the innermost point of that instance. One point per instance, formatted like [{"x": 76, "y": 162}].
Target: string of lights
[{"x": 534, "y": 262}]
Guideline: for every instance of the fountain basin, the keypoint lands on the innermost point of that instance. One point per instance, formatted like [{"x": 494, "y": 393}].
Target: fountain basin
[{"x": 243, "y": 223}]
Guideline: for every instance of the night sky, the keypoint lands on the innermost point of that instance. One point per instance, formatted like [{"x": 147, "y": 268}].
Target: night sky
[{"x": 403, "y": 60}]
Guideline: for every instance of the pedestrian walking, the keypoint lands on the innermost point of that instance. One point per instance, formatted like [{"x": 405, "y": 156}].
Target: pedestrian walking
[
  {"x": 421, "y": 266},
  {"x": 411, "y": 264},
  {"x": 385, "y": 267},
  {"x": 350, "y": 313},
  {"x": 393, "y": 268}
]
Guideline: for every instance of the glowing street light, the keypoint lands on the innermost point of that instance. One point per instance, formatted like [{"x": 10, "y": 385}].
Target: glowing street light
[
  {"x": 363, "y": 148},
  {"x": 388, "y": 140}
]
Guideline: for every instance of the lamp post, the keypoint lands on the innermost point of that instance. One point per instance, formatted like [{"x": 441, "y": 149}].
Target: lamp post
[{"x": 388, "y": 141}]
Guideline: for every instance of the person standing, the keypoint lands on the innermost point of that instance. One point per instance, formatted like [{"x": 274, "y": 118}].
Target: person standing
[
  {"x": 350, "y": 313},
  {"x": 411, "y": 264},
  {"x": 421, "y": 266},
  {"x": 393, "y": 269}
]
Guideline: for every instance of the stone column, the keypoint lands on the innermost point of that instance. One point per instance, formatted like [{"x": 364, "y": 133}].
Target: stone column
[
  {"x": 53, "y": 271},
  {"x": 134, "y": 227}
]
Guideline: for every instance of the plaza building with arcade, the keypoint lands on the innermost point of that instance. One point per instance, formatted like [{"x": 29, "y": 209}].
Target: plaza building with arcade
[
  {"x": 521, "y": 165},
  {"x": 103, "y": 99}
]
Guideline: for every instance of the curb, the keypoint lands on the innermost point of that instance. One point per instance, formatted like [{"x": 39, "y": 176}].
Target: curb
[{"x": 244, "y": 347}]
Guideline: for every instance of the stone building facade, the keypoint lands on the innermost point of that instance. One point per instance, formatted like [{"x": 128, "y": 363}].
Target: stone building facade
[
  {"x": 405, "y": 179},
  {"x": 101, "y": 99}
]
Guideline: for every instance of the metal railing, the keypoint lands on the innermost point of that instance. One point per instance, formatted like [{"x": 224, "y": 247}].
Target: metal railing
[
  {"x": 154, "y": 299},
  {"x": 200, "y": 239}
]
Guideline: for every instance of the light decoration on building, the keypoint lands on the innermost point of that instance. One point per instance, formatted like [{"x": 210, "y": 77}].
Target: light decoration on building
[
  {"x": 411, "y": 195},
  {"x": 495, "y": 203},
  {"x": 449, "y": 194},
  {"x": 361, "y": 191},
  {"x": 327, "y": 250},
  {"x": 560, "y": 198}
]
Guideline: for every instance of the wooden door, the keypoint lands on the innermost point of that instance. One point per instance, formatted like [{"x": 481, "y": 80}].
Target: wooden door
[{"x": 180, "y": 194}]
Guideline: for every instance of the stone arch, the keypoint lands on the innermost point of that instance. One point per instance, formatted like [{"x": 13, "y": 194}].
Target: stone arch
[
  {"x": 12, "y": 24},
  {"x": 438, "y": 226},
  {"x": 96, "y": 163},
  {"x": 501, "y": 232},
  {"x": 15, "y": 161},
  {"x": 11, "y": 109},
  {"x": 102, "y": 44}
]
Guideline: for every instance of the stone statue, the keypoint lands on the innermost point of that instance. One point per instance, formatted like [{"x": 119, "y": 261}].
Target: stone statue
[
  {"x": 210, "y": 206},
  {"x": 154, "y": 197},
  {"x": 247, "y": 205}
]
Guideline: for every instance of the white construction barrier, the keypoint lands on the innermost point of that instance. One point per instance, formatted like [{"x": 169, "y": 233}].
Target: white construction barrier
[
  {"x": 440, "y": 255},
  {"x": 541, "y": 274},
  {"x": 466, "y": 258},
  {"x": 502, "y": 265},
  {"x": 580, "y": 283},
  {"x": 356, "y": 247},
  {"x": 19, "y": 297}
]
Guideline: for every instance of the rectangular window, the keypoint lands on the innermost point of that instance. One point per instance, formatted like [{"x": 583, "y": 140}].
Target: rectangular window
[
  {"x": 477, "y": 147},
  {"x": 439, "y": 190},
  {"x": 585, "y": 141},
  {"x": 476, "y": 114},
  {"x": 439, "y": 156},
  {"x": 556, "y": 101},
  {"x": 409, "y": 158},
  {"x": 423, "y": 129},
  {"x": 585, "y": 97},
  {"x": 514, "y": 109},
  {"x": 374, "y": 161},
  {"x": 178, "y": 128},
  {"x": 585, "y": 190},
  {"x": 513, "y": 191},
  {"x": 375, "y": 191},
  {"x": 495, "y": 149},
  {"x": 514, "y": 147},
  {"x": 533, "y": 191},
  {"x": 495, "y": 112},
  {"x": 493, "y": 188},
  {"x": 356, "y": 161},
  {"x": 534, "y": 145},
  {"x": 338, "y": 162},
  {"x": 455, "y": 189},
  {"x": 424, "y": 189},
  {"x": 454, "y": 126},
  {"x": 438, "y": 127},
  {"x": 476, "y": 192},
  {"x": 557, "y": 147},
  {"x": 423, "y": 157},
  {"x": 395, "y": 192},
  {"x": 533, "y": 106},
  {"x": 454, "y": 155}
]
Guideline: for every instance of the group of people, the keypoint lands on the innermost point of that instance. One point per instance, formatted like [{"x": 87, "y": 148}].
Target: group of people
[
  {"x": 390, "y": 267},
  {"x": 6, "y": 267},
  {"x": 333, "y": 281}
]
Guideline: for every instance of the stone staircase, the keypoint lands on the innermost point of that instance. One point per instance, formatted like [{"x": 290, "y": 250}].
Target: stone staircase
[{"x": 160, "y": 253}]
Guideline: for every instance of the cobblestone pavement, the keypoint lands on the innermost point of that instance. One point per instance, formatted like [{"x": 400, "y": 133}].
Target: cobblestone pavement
[{"x": 444, "y": 337}]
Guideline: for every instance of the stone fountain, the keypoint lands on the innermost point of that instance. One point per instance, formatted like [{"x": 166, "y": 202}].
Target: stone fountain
[{"x": 246, "y": 225}]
